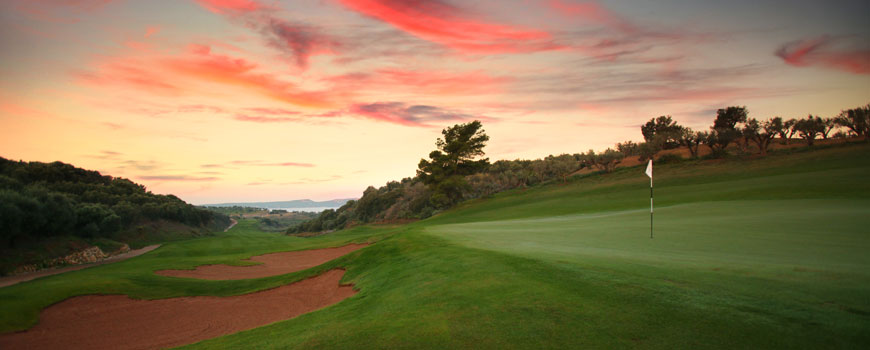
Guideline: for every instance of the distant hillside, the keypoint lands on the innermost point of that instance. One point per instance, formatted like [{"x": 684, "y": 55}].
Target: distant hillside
[
  {"x": 48, "y": 209},
  {"x": 299, "y": 203}
]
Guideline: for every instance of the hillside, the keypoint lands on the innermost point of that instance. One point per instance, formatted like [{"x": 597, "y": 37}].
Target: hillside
[
  {"x": 749, "y": 253},
  {"x": 48, "y": 210}
]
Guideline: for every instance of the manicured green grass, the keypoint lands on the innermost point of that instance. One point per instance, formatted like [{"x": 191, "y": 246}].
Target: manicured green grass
[{"x": 749, "y": 253}]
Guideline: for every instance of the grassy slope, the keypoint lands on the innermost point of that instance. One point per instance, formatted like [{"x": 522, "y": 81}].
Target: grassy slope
[{"x": 749, "y": 253}]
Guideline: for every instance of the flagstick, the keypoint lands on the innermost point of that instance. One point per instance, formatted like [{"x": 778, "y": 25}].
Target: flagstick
[{"x": 649, "y": 172}]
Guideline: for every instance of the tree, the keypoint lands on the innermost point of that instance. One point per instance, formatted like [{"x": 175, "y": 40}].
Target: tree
[
  {"x": 724, "y": 130},
  {"x": 692, "y": 140},
  {"x": 830, "y": 124},
  {"x": 562, "y": 165},
  {"x": 788, "y": 130},
  {"x": 648, "y": 150},
  {"x": 857, "y": 120},
  {"x": 455, "y": 158},
  {"x": 607, "y": 160},
  {"x": 810, "y": 128},
  {"x": 628, "y": 148},
  {"x": 663, "y": 130},
  {"x": 762, "y": 133}
]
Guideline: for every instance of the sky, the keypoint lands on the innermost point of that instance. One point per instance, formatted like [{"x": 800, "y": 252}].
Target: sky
[{"x": 261, "y": 100}]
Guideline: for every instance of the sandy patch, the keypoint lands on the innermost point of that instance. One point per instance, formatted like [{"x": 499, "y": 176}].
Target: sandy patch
[
  {"x": 118, "y": 322},
  {"x": 272, "y": 264},
  {"x": 233, "y": 222}
]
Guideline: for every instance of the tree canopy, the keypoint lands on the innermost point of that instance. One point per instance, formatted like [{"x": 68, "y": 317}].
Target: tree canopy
[{"x": 455, "y": 158}]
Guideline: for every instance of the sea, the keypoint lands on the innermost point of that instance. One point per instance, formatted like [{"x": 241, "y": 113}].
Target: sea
[{"x": 308, "y": 209}]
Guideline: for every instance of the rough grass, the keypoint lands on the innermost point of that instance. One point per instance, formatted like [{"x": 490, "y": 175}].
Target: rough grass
[{"x": 749, "y": 253}]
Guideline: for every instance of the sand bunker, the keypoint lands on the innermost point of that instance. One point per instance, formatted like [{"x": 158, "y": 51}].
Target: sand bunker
[
  {"x": 273, "y": 264},
  {"x": 118, "y": 322}
]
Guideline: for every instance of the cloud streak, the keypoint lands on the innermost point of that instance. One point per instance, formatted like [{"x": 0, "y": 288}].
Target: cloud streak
[
  {"x": 440, "y": 22},
  {"x": 412, "y": 115},
  {"x": 847, "y": 54},
  {"x": 297, "y": 39},
  {"x": 187, "y": 73},
  {"x": 180, "y": 178}
]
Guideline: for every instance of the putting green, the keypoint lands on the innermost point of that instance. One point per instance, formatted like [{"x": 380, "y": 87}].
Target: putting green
[{"x": 792, "y": 234}]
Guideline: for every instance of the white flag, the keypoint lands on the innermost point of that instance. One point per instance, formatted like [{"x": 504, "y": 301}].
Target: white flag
[{"x": 649, "y": 169}]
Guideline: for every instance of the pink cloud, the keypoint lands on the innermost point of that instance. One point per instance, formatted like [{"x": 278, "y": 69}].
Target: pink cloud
[
  {"x": 846, "y": 54},
  {"x": 272, "y": 111},
  {"x": 127, "y": 73},
  {"x": 592, "y": 11},
  {"x": 411, "y": 115},
  {"x": 172, "y": 75},
  {"x": 58, "y": 11},
  {"x": 299, "y": 40},
  {"x": 442, "y": 23},
  {"x": 151, "y": 30},
  {"x": 230, "y": 6},
  {"x": 259, "y": 119},
  {"x": 222, "y": 69},
  {"x": 445, "y": 83}
]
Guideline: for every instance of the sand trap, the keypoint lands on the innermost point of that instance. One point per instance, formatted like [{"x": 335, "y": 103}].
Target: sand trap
[
  {"x": 273, "y": 264},
  {"x": 118, "y": 322}
]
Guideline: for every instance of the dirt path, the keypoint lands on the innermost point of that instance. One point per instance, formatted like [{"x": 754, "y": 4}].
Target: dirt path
[
  {"x": 273, "y": 264},
  {"x": 233, "y": 222},
  {"x": 118, "y": 322},
  {"x": 10, "y": 280}
]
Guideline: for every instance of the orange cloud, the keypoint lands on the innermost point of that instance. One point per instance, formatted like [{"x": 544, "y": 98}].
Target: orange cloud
[{"x": 173, "y": 75}]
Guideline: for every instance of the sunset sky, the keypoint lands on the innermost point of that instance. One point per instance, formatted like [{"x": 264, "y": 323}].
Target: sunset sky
[{"x": 242, "y": 100}]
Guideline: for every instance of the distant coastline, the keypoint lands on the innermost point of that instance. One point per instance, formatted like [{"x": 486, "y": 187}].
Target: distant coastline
[{"x": 292, "y": 205}]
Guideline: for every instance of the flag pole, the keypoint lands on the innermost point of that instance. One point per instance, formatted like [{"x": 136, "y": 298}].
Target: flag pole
[{"x": 649, "y": 172}]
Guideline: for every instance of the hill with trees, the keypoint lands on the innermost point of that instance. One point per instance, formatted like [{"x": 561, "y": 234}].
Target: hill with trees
[
  {"x": 456, "y": 171},
  {"x": 69, "y": 206}
]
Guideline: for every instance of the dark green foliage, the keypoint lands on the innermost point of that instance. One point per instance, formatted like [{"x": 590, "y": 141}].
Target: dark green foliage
[
  {"x": 788, "y": 130},
  {"x": 663, "y": 131},
  {"x": 762, "y": 133},
  {"x": 857, "y": 120},
  {"x": 810, "y": 128},
  {"x": 628, "y": 148},
  {"x": 724, "y": 130},
  {"x": 454, "y": 159},
  {"x": 692, "y": 140},
  {"x": 57, "y": 199},
  {"x": 606, "y": 160}
]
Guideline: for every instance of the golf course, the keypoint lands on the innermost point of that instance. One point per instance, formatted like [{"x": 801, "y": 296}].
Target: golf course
[{"x": 748, "y": 252}]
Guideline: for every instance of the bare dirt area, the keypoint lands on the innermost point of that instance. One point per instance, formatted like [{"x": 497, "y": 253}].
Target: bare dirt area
[
  {"x": 10, "y": 280},
  {"x": 272, "y": 264},
  {"x": 233, "y": 222},
  {"x": 118, "y": 322}
]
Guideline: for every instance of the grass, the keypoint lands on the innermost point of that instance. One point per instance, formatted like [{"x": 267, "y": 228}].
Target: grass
[{"x": 749, "y": 253}]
